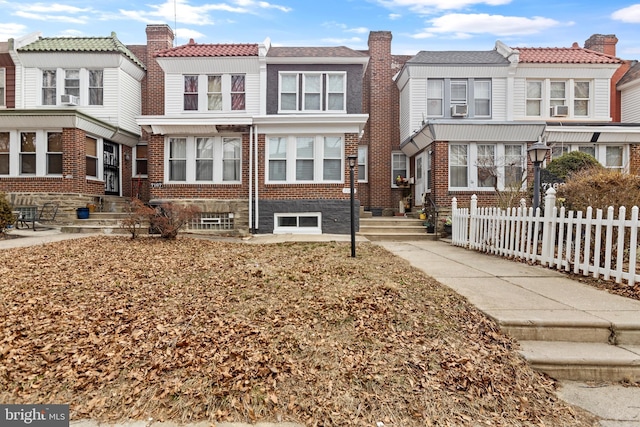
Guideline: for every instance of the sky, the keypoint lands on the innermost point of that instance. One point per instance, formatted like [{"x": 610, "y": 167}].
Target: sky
[{"x": 415, "y": 24}]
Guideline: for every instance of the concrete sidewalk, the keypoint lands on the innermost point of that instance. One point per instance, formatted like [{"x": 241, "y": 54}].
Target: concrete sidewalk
[
  {"x": 519, "y": 297},
  {"x": 542, "y": 305}
]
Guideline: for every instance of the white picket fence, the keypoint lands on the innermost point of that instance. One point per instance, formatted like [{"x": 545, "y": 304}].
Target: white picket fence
[{"x": 578, "y": 242}]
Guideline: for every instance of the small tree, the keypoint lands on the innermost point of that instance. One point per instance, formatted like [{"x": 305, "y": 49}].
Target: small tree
[
  {"x": 6, "y": 215},
  {"x": 489, "y": 170}
]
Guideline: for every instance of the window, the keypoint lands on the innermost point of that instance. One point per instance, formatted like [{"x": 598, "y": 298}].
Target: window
[
  {"x": 435, "y": 97},
  {"x": 458, "y": 92},
  {"x": 482, "y": 97},
  {"x": 3, "y": 84},
  {"x": 96, "y": 88},
  {"x": 399, "y": 166},
  {"x": 54, "y": 153},
  {"x": 558, "y": 150},
  {"x": 231, "y": 156},
  {"x": 305, "y": 158},
  {"x": 558, "y": 94},
  {"x": 486, "y": 170},
  {"x": 210, "y": 160},
  {"x": 534, "y": 98},
  {"x": 141, "y": 159},
  {"x": 312, "y": 91},
  {"x": 589, "y": 149},
  {"x": 49, "y": 87},
  {"x": 72, "y": 82},
  {"x": 191, "y": 93},
  {"x": 238, "y": 95},
  {"x": 277, "y": 159},
  {"x": 91, "y": 146},
  {"x": 214, "y": 93},
  {"x": 204, "y": 159},
  {"x": 458, "y": 165},
  {"x": 5, "y": 152},
  {"x": 363, "y": 162},
  {"x": 581, "y": 98},
  {"x": 513, "y": 166},
  {"x": 614, "y": 158},
  {"x": 27, "y": 153},
  {"x": 307, "y": 223},
  {"x": 177, "y": 159}
]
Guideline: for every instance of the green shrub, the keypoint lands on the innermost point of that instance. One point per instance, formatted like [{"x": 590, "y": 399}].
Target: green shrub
[
  {"x": 572, "y": 162},
  {"x": 6, "y": 216}
]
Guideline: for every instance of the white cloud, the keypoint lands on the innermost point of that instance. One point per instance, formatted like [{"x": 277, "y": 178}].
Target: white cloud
[
  {"x": 630, "y": 14},
  {"x": 430, "y": 6},
  {"x": 186, "y": 34},
  {"x": 358, "y": 30},
  {"x": 463, "y": 25},
  {"x": 51, "y": 8},
  {"x": 347, "y": 41},
  {"x": 12, "y": 31},
  {"x": 394, "y": 16},
  {"x": 52, "y": 18}
]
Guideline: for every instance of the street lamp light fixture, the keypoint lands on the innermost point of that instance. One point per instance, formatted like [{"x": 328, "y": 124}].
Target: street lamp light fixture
[
  {"x": 537, "y": 153},
  {"x": 353, "y": 161}
]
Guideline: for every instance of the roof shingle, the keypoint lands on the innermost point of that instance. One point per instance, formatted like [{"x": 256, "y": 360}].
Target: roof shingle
[
  {"x": 315, "y": 52},
  {"x": 193, "y": 49},
  {"x": 81, "y": 44},
  {"x": 466, "y": 57}
]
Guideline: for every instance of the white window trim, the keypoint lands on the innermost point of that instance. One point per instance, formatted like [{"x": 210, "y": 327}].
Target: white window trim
[
  {"x": 41, "y": 153},
  {"x": 60, "y": 87},
  {"x": 364, "y": 174},
  {"x": 297, "y": 229},
  {"x": 291, "y": 157},
  {"x": 191, "y": 161},
  {"x": 324, "y": 91},
  {"x": 472, "y": 166},
  {"x": 100, "y": 161},
  {"x": 3, "y": 85},
  {"x": 203, "y": 92},
  {"x": 407, "y": 168},
  {"x": 569, "y": 97},
  {"x": 135, "y": 163}
]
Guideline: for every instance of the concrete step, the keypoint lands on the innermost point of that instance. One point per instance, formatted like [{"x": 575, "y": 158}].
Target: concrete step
[
  {"x": 578, "y": 361},
  {"x": 396, "y": 237},
  {"x": 398, "y": 229}
]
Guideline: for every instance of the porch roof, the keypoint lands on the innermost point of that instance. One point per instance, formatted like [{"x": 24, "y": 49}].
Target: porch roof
[
  {"x": 465, "y": 130},
  {"x": 592, "y": 133},
  {"x": 67, "y": 118}
]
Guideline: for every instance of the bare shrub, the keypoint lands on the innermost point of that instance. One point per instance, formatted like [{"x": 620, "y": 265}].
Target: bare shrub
[
  {"x": 6, "y": 216},
  {"x": 138, "y": 215},
  {"x": 169, "y": 218}
]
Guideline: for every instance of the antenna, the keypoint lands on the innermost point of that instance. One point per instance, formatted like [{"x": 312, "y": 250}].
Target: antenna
[{"x": 175, "y": 22}]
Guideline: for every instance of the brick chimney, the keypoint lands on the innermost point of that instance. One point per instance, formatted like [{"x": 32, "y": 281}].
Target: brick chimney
[
  {"x": 603, "y": 43},
  {"x": 381, "y": 102},
  {"x": 159, "y": 37}
]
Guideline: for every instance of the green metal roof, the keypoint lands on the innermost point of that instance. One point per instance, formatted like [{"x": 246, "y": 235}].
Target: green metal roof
[{"x": 81, "y": 44}]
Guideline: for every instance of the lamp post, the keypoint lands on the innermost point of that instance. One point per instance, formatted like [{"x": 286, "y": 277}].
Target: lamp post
[
  {"x": 353, "y": 159},
  {"x": 537, "y": 153}
]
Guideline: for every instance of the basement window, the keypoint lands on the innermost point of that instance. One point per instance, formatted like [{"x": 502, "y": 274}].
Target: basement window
[{"x": 298, "y": 223}]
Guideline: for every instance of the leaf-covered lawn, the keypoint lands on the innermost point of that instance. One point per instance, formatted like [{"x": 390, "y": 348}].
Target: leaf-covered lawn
[{"x": 193, "y": 329}]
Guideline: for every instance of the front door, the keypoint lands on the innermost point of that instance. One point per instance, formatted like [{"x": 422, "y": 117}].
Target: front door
[{"x": 111, "y": 169}]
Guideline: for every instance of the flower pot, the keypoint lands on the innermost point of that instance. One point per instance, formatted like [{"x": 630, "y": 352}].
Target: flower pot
[
  {"x": 423, "y": 216},
  {"x": 447, "y": 229},
  {"x": 82, "y": 213}
]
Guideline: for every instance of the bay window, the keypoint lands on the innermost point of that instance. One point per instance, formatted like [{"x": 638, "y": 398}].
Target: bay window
[
  {"x": 177, "y": 159},
  {"x": 481, "y": 166},
  {"x": 91, "y": 146},
  {"x": 458, "y": 165},
  {"x": 204, "y": 159},
  {"x": 27, "y": 153}
]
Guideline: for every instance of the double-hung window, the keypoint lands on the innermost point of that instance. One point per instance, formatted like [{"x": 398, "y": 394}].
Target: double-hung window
[
  {"x": 5, "y": 153},
  {"x": 482, "y": 166},
  {"x": 614, "y": 157},
  {"x": 49, "y": 84},
  {"x": 487, "y": 167},
  {"x": 210, "y": 160},
  {"x": 458, "y": 165},
  {"x": 482, "y": 98},
  {"x": 336, "y": 88},
  {"x": 72, "y": 82},
  {"x": 214, "y": 93},
  {"x": 534, "y": 98},
  {"x": 54, "y": 153},
  {"x": 317, "y": 158},
  {"x": 238, "y": 95},
  {"x": 191, "y": 93},
  {"x": 3, "y": 84},
  {"x": 91, "y": 146},
  {"x": 458, "y": 92},
  {"x": 435, "y": 97},
  {"x": 363, "y": 162},
  {"x": 27, "y": 153},
  {"x": 399, "y": 167},
  {"x": 96, "y": 87},
  {"x": 558, "y": 93},
  {"x": 514, "y": 166},
  {"x": 581, "y": 97},
  {"x": 312, "y": 92},
  {"x": 141, "y": 157}
]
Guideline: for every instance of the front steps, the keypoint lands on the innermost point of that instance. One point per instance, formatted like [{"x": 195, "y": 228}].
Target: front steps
[
  {"x": 396, "y": 228},
  {"x": 106, "y": 219}
]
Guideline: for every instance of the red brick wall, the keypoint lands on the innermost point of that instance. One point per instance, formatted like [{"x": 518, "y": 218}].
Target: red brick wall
[
  {"x": 381, "y": 98},
  {"x": 159, "y": 37}
]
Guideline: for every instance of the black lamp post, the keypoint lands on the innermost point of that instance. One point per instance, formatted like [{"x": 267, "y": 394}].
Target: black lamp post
[
  {"x": 353, "y": 160},
  {"x": 537, "y": 153}
]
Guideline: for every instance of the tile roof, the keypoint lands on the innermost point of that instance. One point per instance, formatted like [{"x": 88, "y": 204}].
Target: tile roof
[
  {"x": 467, "y": 57},
  {"x": 193, "y": 49},
  {"x": 315, "y": 52},
  {"x": 81, "y": 44},
  {"x": 564, "y": 55}
]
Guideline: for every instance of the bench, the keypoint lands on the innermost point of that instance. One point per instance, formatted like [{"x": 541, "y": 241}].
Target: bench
[{"x": 26, "y": 215}]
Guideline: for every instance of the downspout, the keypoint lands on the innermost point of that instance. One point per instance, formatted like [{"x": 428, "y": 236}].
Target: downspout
[
  {"x": 250, "y": 176},
  {"x": 256, "y": 204}
]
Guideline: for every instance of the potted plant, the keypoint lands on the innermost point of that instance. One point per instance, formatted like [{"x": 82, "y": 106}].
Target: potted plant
[
  {"x": 446, "y": 225},
  {"x": 402, "y": 181}
]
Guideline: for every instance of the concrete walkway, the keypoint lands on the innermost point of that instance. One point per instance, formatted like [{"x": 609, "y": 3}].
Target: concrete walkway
[{"x": 522, "y": 299}]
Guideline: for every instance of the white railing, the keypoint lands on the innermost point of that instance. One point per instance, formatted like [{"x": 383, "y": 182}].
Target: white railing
[{"x": 578, "y": 242}]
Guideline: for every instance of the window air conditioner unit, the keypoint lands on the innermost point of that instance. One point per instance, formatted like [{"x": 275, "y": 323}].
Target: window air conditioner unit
[
  {"x": 560, "y": 110},
  {"x": 69, "y": 99},
  {"x": 459, "y": 110}
]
